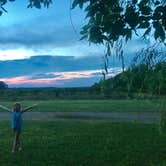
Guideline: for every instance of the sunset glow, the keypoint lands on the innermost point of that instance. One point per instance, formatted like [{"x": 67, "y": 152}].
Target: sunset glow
[{"x": 57, "y": 80}]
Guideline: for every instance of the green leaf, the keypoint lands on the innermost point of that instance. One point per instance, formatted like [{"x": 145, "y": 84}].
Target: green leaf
[
  {"x": 143, "y": 3},
  {"x": 128, "y": 34},
  {"x": 75, "y": 3},
  {"x": 159, "y": 13},
  {"x": 147, "y": 32},
  {"x": 134, "y": 1},
  {"x": 37, "y": 4},
  {"x": 159, "y": 31},
  {"x": 157, "y": 3},
  {"x": 145, "y": 10},
  {"x": 143, "y": 25},
  {"x": 84, "y": 37},
  {"x": 131, "y": 16}
]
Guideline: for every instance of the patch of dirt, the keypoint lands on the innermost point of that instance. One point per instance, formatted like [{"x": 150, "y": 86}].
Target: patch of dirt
[{"x": 112, "y": 116}]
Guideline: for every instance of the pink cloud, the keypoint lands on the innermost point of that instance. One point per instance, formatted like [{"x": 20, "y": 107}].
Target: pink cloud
[{"x": 55, "y": 81}]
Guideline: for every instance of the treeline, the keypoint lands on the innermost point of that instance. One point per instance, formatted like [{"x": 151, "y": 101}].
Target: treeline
[
  {"x": 3, "y": 85},
  {"x": 142, "y": 79},
  {"x": 16, "y": 94}
]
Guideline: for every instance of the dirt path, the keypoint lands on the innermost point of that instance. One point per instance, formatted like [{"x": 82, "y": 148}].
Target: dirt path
[{"x": 112, "y": 116}]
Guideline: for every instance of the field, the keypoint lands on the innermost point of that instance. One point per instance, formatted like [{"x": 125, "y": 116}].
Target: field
[
  {"x": 97, "y": 105},
  {"x": 88, "y": 143}
]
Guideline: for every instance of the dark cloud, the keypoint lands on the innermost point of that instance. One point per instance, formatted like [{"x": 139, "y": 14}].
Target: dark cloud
[
  {"x": 44, "y": 75},
  {"x": 47, "y": 64},
  {"x": 36, "y": 36}
]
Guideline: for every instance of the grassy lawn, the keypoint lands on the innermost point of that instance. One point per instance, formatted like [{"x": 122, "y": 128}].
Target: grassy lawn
[
  {"x": 97, "y": 105},
  {"x": 84, "y": 143}
]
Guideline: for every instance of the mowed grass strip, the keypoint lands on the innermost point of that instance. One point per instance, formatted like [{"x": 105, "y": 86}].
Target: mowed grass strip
[
  {"x": 84, "y": 143},
  {"x": 96, "y": 105}
]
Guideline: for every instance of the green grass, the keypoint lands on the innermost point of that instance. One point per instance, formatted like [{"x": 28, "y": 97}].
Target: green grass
[
  {"x": 97, "y": 105},
  {"x": 84, "y": 143}
]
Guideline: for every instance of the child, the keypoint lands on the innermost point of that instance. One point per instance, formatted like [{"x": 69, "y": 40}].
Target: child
[{"x": 17, "y": 123}]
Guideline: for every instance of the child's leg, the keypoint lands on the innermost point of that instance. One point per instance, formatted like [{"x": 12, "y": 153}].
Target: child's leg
[
  {"x": 14, "y": 142},
  {"x": 18, "y": 140}
]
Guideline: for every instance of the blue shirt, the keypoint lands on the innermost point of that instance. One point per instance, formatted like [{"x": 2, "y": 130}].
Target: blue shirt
[{"x": 16, "y": 120}]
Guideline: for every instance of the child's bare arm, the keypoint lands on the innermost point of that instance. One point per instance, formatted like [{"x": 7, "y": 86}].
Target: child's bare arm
[
  {"x": 5, "y": 108},
  {"x": 29, "y": 108}
]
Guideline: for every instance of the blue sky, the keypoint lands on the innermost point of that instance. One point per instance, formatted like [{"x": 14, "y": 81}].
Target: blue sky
[{"x": 61, "y": 59}]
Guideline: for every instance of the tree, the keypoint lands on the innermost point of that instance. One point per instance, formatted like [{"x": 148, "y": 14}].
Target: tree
[
  {"x": 140, "y": 79},
  {"x": 116, "y": 21},
  {"x": 3, "y": 85},
  {"x": 111, "y": 19}
]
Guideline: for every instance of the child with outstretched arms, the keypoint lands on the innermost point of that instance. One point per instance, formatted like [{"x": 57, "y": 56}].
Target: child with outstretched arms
[{"x": 16, "y": 121}]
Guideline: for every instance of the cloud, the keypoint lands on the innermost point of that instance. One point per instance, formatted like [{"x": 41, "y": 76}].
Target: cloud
[
  {"x": 47, "y": 64},
  {"x": 44, "y": 75},
  {"x": 37, "y": 35},
  {"x": 59, "y": 79},
  {"x": 21, "y": 41}
]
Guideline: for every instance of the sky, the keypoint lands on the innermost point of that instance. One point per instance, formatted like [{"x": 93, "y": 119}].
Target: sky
[{"x": 40, "y": 48}]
